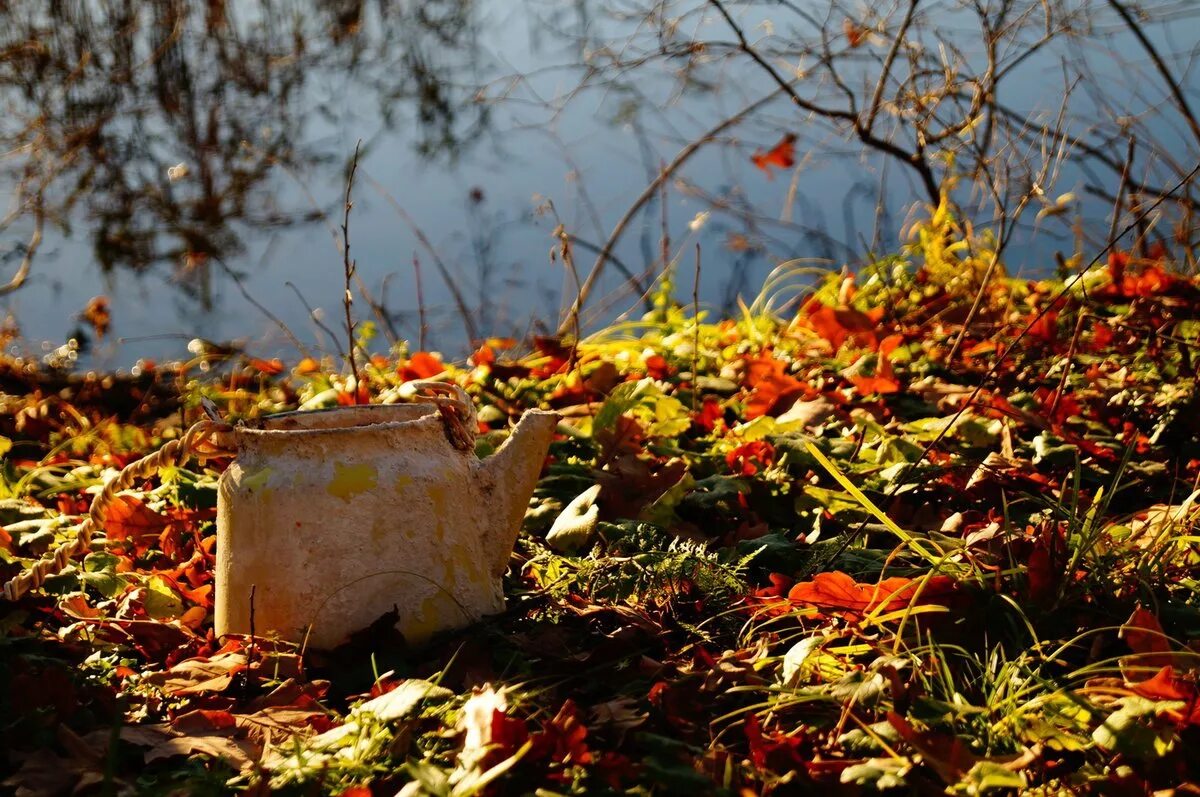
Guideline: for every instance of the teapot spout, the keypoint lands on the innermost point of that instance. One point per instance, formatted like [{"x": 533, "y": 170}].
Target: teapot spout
[{"x": 509, "y": 476}]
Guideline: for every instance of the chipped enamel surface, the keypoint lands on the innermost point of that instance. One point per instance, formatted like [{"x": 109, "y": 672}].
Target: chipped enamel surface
[{"x": 331, "y": 518}]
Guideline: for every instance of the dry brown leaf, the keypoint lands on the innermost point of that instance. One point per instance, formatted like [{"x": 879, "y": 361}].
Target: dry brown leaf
[{"x": 199, "y": 675}]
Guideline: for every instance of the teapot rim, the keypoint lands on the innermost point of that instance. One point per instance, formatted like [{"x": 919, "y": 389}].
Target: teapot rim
[{"x": 419, "y": 415}]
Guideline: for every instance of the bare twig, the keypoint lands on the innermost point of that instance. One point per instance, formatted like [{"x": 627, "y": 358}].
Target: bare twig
[
  {"x": 35, "y": 240},
  {"x": 649, "y": 191},
  {"x": 316, "y": 319},
  {"x": 696, "y": 332},
  {"x": 456, "y": 294},
  {"x": 1172, "y": 84},
  {"x": 897, "y": 42},
  {"x": 237, "y": 280},
  {"x": 422, "y": 326},
  {"x": 349, "y": 268},
  {"x": 915, "y": 159}
]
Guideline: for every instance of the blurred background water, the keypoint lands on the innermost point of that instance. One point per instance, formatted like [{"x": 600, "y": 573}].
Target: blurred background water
[{"x": 484, "y": 124}]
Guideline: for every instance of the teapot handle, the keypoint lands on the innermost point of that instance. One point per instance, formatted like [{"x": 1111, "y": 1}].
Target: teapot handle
[
  {"x": 204, "y": 440},
  {"x": 456, "y": 408}
]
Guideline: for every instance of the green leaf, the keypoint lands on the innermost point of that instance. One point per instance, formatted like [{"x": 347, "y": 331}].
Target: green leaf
[
  {"x": 623, "y": 398},
  {"x": 878, "y": 773},
  {"x": 988, "y": 776},
  {"x": 1130, "y": 730},
  {"x": 162, "y": 601},
  {"x": 100, "y": 573}
]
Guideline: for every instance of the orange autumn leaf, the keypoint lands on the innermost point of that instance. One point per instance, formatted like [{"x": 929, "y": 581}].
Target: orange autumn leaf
[
  {"x": 867, "y": 385},
  {"x": 1153, "y": 281},
  {"x": 773, "y": 390},
  {"x": 307, "y": 366},
  {"x": 129, "y": 519},
  {"x": 839, "y": 325},
  {"x": 884, "y": 381},
  {"x": 421, "y": 365},
  {"x": 1165, "y": 685},
  {"x": 855, "y": 34},
  {"x": 838, "y": 593},
  {"x": 782, "y": 155},
  {"x": 268, "y": 367},
  {"x": 1145, "y": 637},
  {"x": 484, "y": 355}
]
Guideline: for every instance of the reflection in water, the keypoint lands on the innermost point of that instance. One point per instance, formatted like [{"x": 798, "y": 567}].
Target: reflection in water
[
  {"x": 584, "y": 105},
  {"x": 103, "y": 98}
]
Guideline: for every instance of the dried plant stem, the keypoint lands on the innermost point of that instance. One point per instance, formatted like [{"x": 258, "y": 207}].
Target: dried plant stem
[
  {"x": 348, "y": 268},
  {"x": 696, "y": 331},
  {"x": 316, "y": 319},
  {"x": 422, "y": 325},
  {"x": 31, "y": 248},
  {"x": 647, "y": 193},
  {"x": 451, "y": 282},
  {"x": 241, "y": 286},
  {"x": 1172, "y": 84}
]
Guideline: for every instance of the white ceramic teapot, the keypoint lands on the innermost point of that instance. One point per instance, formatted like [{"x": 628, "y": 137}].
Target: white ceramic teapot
[{"x": 329, "y": 518}]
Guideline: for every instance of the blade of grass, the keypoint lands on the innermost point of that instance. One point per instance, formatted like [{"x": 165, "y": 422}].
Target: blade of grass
[{"x": 867, "y": 504}]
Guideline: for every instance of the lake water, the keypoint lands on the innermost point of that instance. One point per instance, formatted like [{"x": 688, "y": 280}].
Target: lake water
[{"x": 484, "y": 124}]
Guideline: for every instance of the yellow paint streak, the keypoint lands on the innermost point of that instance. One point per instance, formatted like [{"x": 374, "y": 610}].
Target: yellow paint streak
[
  {"x": 422, "y": 625},
  {"x": 256, "y": 480},
  {"x": 437, "y": 497},
  {"x": 351, "y": 480},
  {"x": 464, "y": 563}
]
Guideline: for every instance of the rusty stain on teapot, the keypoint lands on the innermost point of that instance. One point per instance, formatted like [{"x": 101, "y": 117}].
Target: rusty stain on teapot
[{"x": 332, "y": 517}]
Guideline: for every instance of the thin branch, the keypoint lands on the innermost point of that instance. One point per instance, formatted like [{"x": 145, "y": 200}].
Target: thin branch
[
  {"x": 31, "y": 248},
  {"x": 316, "y": 319},
  {"x": 915, "y": 160},
  {"x": 422, "y": 324},
  {"x": 241, "y": 286},
  {"x": 648, "y": 193},
  {"x": 460, "y": 301},
  {"x": 1163, "y": 70},
  {"x": 349, "y": 267},
  {"x": 897, "y": 43}
]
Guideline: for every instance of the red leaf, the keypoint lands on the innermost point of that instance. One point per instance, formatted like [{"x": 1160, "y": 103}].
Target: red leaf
[
  {"x": 1144, "y": 635},
  {"x": 839, "y": 325},
  {"x": 564, "y": 737},
  {"x": 129, "y": 519},
  {"x": 1165, "y": 686},
  {"x": 773, "y": 390},
  {"x": 782, "y": 155},
  {"x": 1153, "y": 281},
  {"x": 204, "y": 721},
  {"x": 483, "y": 355},
  {"x": 1117, "y": 261},
  {"x": 267, "y": 367},
  {"x": 421, "y": 365},
  {"x": 1045, "y": 328},
  {"x": 748, "y": 458},
  {"x": 709, "y": 413},
  {"x": 838, "y": 593},
  {"x": 866, "y": 385},
  {"x": 856, "y": 34}
]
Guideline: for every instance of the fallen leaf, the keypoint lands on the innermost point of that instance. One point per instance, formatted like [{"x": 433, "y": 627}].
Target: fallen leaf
[
  {"x": 196, "y": 676},
  {"x": 128, "y": 519},
  {"x": 782, "y": 155}
]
